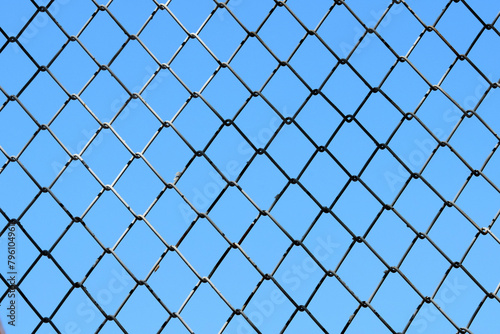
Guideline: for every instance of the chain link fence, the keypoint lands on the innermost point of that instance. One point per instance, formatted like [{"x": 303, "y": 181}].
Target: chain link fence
[{"x": 250, "y": 166}]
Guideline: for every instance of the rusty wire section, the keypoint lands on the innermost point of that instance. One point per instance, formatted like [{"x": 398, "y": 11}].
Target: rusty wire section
[{"x": 238, "y": 312}]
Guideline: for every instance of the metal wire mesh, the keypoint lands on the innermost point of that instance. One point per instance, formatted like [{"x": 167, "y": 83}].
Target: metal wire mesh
[{"x": 357, "y": 208}]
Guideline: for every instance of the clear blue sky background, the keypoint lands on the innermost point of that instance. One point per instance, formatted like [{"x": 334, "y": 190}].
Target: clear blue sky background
[{"x": 139, "y": 187}]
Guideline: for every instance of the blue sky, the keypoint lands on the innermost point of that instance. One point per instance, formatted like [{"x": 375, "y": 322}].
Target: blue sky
[{"x": 89, "y": 112}]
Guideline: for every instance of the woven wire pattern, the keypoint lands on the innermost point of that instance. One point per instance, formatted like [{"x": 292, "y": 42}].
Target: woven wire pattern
[{"x": 344, "y": 307}]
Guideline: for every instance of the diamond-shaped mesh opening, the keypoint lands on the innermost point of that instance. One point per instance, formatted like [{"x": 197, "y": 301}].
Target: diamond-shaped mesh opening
[
  {"x": 226, "y": 84},
  {"x": 374, "y": 55},
  {"x": 45, "y": 221},
  {"x": 440, "y": 124},
  {"x": 121, "y": 10},
  {"x": 263, "y": 231},
  {"x": 399, "y": 20},
  {"x": 333, "y": 178},
  {"x": 269, "y": 309},
  {"x": 489, "y": 40},
  {"x": 105, "y": 96},
  {"x": 249, "y": 166},
  {"x": 142, "y": 296},
  {"x": 106, "y": 156},
  {"x": 163, "y": 93},
  {"x": 48, "y": 40},
  {"x": 203, "y": 263},
  {"x": 465, "y": 92},
  {"x": 228, "y": 30},
  {"x": 284, "y": 43},
  {"x": 225, "y": 277},
  {"x": 75, "y": 78},
  {"x": 74, "y": 138},
  {"x": 108, "y": 285},
  {"x": 72, "y": 16},
  {"x": 194, "y": 64},
  {"x": 289, "y": 215},
  {"x": 328, "y": 240},
  {"x": 445, "y": 182},
  {"x": 361, "y": 271},
  {"x": 479, "y": 144},
  {"x": 299, "y": 275},
  {"x": 138, "y": 186},
  {"x": 43, "y": 109},
  {"x": 408, "y": 95},
  {"x": 285, "y": 79},
  {"x": 132, "y": 65},
  {"x": 196, "y": 312},
  {"x": 424, "y": 267},
  {"x": 76, "y": 188},
  {"x": 197, "y": 123},
  {"x": 136, "y": 115},
  {"x": 16, "y": 128},
  {"x": 397, "y": 294},
  {"x": 312, "y": 62},
  {"x": 253, "y": 73},
  {"x": 108, "y": 225},
  {"x": 14, "y": 180},
  {"x": 377, "y": 107},
  {"x": 103, "y": 44},
  {"x": 39, "y": 293},
  {"x": 319, "y": 119},
  {"x": 22, "y": 12},
  {"x": 442, "y": 57},
  {"x": 17, "y": 68},
  {"x": 75, "y": 239},
  {"x": 251, "y": 14},
  {"x": 367, "y": 321},
  {"x": 467, "y": 28},
  {"x": 389, "y": 224},
  {"x": 291, "y": 142}
]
